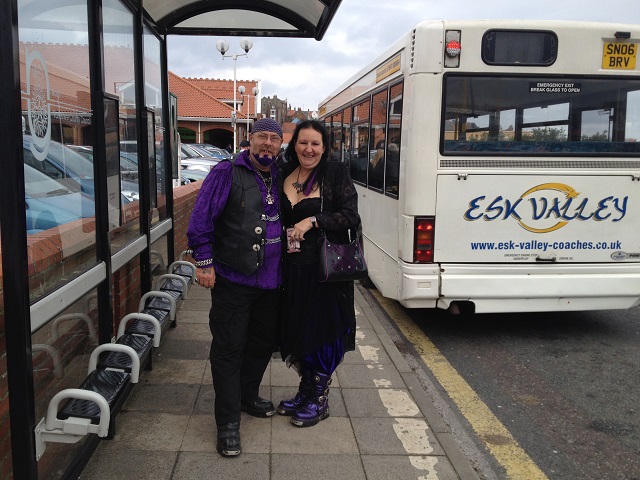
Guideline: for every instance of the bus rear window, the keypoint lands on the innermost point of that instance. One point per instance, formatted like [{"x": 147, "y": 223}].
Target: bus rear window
[
  {"x": 519, "y": 47},
  {"x": 541, "y": 116}
]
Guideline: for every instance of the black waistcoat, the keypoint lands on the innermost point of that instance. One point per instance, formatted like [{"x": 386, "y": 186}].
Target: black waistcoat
[{"x": 240, "y": 232}]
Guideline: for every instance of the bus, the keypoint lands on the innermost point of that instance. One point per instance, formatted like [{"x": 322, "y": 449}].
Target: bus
[{"x": 497, "y": 165}]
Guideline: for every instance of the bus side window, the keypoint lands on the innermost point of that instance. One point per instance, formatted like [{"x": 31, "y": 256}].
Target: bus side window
[
  {"x": 394, "y": 122},
  {"x": 378, "y": 140},
  {"x": 360, "y": 142}
]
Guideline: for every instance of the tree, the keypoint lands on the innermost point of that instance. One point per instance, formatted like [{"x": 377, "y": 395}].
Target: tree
[
  {"x": 547, "y": 134},
  {"x": 596, "y": 137}
]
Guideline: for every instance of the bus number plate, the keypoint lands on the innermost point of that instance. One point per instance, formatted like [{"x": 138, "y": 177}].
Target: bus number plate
[{"x": 619, "y": 56}]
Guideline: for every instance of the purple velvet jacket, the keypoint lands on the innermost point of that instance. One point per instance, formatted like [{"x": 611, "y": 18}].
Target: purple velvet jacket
[{"x": 209, "y": 206}]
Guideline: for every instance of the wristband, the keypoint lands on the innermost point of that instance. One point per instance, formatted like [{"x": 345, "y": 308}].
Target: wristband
[{"x": 204, "y": 263}]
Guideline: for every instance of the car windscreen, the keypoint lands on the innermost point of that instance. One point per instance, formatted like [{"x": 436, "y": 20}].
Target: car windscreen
[{"x": 38, "y": 185}]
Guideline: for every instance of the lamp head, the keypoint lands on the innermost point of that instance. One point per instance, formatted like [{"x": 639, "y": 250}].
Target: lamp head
[
  {"x": 246, "y": 44},
  {"x": 241, "y": 89},
  {"x": 222, "y": 46}
]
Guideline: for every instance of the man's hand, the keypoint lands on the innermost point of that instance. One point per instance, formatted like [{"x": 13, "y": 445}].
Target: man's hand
[{"x": 206, "y": 277}]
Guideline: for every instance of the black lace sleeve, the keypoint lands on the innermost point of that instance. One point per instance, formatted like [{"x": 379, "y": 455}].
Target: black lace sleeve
[{"x": 340, "y": 200}]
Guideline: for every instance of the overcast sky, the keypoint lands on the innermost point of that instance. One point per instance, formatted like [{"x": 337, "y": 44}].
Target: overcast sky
[{"x": 305, "y": 71}]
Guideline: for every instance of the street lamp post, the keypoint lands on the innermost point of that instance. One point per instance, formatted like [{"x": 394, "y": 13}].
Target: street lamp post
[
  {"x": 255, "y": 92},
  {"x": 241, "y": 89},
  {"x": 223, "y": 47}
]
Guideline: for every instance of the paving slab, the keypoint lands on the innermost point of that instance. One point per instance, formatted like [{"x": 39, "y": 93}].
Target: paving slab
[{"x": 382, "y": 425}]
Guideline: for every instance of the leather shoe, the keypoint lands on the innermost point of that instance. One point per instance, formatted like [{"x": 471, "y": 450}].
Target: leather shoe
[
  {"x": 228, "y": 444},
  {"x": 258, "y": 408}
]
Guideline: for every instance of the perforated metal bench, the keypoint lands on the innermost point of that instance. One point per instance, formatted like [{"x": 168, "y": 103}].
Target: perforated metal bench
[
  {"x": 114, "y": 367},
  {"x": 187, "y": 270},
  {"x": 92, "y": 407},
  {"x": 141, "y": 344}
]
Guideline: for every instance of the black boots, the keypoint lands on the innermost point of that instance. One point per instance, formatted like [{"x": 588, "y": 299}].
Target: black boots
[
  {"x": 289, "y": 407},
  {"x": 228, "y": 444},
  {"x": 258, "y": 408},
  {"x": 316, "y": 407}
]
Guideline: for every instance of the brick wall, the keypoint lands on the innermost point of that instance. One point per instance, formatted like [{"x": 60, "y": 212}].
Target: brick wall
[{"x": 183, "y": 200}]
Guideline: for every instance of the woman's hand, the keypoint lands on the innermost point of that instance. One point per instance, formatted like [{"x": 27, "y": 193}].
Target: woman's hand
[
  {"x": 300, "y": 228},
  {"x": 206, "y": 277}
]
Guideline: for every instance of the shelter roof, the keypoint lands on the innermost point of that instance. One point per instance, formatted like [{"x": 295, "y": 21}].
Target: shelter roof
[
  {"x": 251, "y": 18},
  {"x": 255, "y": 18}
]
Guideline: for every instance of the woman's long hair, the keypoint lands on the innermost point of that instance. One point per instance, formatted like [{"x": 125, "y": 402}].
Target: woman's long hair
[{"x": 290, "y": 154}]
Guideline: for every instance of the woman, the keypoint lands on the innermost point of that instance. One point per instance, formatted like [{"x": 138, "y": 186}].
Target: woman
[{"x": 319, "y": 318}]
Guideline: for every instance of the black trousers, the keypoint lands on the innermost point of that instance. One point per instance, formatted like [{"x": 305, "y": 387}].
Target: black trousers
[{"x": 244, "y": 324}]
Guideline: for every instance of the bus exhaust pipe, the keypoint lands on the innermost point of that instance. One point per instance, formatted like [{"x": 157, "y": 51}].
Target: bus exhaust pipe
[{"x": 461, "y": 308}]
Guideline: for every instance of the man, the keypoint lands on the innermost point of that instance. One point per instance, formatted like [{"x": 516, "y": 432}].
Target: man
[
  {"x": 235, "y": 234},
  {"x": 244, "y": 145}
]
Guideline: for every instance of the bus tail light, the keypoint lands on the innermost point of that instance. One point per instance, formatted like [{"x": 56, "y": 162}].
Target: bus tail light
[
  {"x": 423, "y": 241},
  {"x": 452, "y": 48}
]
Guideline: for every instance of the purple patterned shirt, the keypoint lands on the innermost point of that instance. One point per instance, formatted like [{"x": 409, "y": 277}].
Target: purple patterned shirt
[{"x": 209, "y": 206}]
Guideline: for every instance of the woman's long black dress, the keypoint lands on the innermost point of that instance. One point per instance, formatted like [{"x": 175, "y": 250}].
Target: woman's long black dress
[{"x": 318, "y": 319}]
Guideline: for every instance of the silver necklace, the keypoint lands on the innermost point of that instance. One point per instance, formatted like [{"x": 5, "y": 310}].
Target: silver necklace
[{"x": 267, "y": 184}]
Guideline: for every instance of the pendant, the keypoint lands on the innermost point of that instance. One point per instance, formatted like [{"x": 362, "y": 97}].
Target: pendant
[
  {"x": 298, "y": 186},
  {"x": 269, "y": 199}
]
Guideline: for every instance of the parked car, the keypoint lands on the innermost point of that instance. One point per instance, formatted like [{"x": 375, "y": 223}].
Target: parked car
[
  {"x": 202, "y": 163},
  {"x": 70, "y": 168},
  {"x": 211, "y": 150},
  {"x": 84, "y": 150},
  {"x": 219, "y": 155},
  {"x": 61, "y": 163},
  {"x": 128, "y": 160},
  {"x": 193, "y": 175},
  {"x": 130, "y": 191},
  {"x": 222, "y": 151},
  {"x": 49, "y": 204},
  {"x": 186, "y": 151}
]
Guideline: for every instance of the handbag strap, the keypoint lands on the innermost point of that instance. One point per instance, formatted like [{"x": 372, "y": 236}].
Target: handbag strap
[{"x": 322, "y": 232}]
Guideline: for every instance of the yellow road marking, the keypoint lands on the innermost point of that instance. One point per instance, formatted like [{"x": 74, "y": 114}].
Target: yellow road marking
[{"x": 494, "y": 435}]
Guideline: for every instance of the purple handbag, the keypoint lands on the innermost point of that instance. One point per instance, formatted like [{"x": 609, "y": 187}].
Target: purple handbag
[{"x": 340, "y": 262}]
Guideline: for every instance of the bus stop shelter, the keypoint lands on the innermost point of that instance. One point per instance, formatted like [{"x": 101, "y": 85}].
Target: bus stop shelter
[{"x": 86, "y": 104}]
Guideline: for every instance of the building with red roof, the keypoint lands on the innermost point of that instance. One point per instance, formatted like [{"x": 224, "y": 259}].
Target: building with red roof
[{"x": 205, "y": 109}]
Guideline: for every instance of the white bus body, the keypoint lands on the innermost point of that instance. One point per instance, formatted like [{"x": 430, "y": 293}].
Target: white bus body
[{"x": 518, "y": 184}]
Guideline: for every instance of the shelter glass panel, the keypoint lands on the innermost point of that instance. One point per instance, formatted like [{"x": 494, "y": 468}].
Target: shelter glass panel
[
  {"x": 57, "y": 134},
  {"x": 60, "y": 354},
  {"x": 120, "y": 81},
  {"x": 60, "y": 196},
  {"x": 155, "y": 103}
]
